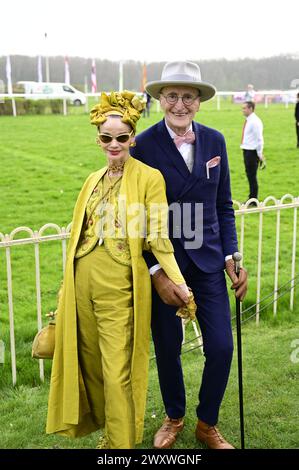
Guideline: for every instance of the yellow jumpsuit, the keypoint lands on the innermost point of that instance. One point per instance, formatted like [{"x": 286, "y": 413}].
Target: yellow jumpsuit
[{"x": 100, "y": 364}]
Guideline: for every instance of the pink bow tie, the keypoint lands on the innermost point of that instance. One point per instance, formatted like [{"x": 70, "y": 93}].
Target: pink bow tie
[{"x": 188, "y": 138}]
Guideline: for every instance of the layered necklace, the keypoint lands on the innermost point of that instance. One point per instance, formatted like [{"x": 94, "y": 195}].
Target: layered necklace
[
  {"x": 104, "y": 202},
  {"x": 115, "y": 168}
]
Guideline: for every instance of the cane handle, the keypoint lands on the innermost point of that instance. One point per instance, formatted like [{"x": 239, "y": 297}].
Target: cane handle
[{"x": 237, "y": 259}]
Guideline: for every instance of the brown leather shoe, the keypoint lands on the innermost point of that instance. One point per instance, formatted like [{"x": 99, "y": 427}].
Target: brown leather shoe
[
  {"x": 167, "y": 434},
  {"x": 210, "y": 436}
]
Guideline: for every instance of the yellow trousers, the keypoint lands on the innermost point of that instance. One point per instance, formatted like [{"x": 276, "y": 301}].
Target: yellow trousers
[{"x": 105, "y": 339}]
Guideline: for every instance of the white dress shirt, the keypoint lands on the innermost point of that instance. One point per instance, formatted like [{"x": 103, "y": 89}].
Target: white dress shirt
[
  {"x": 186, "y": 150},
  {"x": 253, "y": 135}
]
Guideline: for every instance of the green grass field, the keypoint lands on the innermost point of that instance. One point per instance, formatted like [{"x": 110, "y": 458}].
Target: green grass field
[{"x": 44, "y": 162}]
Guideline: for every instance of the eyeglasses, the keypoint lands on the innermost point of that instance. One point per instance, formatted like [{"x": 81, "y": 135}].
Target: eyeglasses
[
  {"x": 121, "y": 138},
  {"x": 187, "y": 98}
]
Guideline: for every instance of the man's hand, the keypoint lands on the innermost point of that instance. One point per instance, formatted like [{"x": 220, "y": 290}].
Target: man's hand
[
  {"x": 168, "y": 291},
  {"x": 239, "y": 284}
]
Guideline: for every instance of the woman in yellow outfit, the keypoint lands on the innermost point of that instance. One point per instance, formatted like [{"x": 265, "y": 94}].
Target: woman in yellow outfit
[{"x": 100, "y": 364}]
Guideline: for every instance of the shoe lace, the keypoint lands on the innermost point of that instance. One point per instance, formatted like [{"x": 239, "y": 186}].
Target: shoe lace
[
  {"x": 167, "y": 426},
  {"x": 217, "y": 434}
]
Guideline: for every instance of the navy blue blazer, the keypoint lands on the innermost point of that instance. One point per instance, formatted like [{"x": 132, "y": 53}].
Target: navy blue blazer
[{"x": 155, "y": 147}]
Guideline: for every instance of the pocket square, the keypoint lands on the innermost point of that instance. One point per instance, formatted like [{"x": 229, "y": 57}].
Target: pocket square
[{"x": 211, "y": 164}]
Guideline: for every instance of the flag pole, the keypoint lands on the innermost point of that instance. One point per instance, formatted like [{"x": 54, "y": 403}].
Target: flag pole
[
  {"x": 39, "y": 69},
  {"x": 9, "y": 85},
  {"x": 47, "y": 60},
  {"x": 121, "y": 76},
  {"x": 93, "y": 77}
]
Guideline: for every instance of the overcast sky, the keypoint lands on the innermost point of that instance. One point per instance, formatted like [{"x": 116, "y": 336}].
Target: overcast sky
[{"x": 152, "y": 30}]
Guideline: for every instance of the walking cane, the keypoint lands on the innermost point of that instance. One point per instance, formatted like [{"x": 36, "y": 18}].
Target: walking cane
[{"x": 237, "y": 258}]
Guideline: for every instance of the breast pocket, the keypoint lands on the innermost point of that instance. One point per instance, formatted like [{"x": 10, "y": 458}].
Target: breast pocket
[{"x": 213, "y": 174}]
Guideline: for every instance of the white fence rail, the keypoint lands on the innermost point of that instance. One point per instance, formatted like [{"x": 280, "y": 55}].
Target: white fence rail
[
  {"x": 287, "y": 97},
  {"x": 243, "y": 211}
]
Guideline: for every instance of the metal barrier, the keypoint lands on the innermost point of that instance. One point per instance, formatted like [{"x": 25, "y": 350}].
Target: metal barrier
[
  {"x": 286, "y": 202},
  {"x": 8, "y": 241},
  {"x": 287, "y": 98}
]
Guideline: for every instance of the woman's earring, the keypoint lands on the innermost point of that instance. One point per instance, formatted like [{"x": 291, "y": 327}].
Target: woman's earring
[{"x": 133, "y": 144}]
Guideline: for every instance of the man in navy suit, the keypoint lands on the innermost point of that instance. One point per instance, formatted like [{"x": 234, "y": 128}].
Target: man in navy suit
[{"x": 193, "y": 161}]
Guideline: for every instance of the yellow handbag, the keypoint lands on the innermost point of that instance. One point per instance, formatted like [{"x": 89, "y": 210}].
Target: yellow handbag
[{"x": 44, "y": 342}]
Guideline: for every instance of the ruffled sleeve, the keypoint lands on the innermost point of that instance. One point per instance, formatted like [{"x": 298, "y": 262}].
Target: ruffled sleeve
[
  {"x": 157, "y": 243},
  {"x": 157, "y": 240}
]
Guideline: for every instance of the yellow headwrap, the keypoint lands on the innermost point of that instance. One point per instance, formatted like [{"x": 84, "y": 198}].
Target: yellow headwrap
[{"x": 124, "y": 103}]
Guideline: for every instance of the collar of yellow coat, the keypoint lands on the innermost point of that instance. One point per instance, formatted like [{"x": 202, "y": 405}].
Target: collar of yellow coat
[{"x": 128, "y": 188}]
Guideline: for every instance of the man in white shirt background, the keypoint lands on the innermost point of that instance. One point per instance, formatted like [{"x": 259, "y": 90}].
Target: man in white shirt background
[{"x": 252, "y": 144}]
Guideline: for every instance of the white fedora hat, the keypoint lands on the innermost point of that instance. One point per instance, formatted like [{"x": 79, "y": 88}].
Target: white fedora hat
[{"x": 181, "y": 73}]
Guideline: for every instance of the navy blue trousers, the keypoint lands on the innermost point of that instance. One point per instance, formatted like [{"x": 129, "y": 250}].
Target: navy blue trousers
[{"x": 213, "y": 314}]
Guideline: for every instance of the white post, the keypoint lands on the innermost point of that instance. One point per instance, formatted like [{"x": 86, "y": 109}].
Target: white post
[
  {"x": 266, "y": 101},
  {"x": 242, "y": 238},
  {"x": 218, "y": 102},
  {"x": 242, "y": 246},
  {"x": 64, "y": 107},
  {"x": 9, "y": 85},
  {"x": 293, "y": 259},
  {"x": 63, "y": 255},
  {"x": 47, "y": 59},
  {"x": 259, "y": 268},
  {"x": 47, "y": 69},
  {"x": 276, "y": 261},
  {"x": 11, "y": 318},
  {"x": 38, "y": 304},
  {"x": 14, "y": 109}
]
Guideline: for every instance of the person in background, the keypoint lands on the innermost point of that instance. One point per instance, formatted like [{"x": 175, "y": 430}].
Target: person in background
[
  {"x": 146, "y": 111},
  {"x": 100, "y": 364},
  {"x": 252, "y": 143},
  {"x": 297, "y": 119},
  {"x": 194, "y": 163},
  {"x": 250, "y": 93}
]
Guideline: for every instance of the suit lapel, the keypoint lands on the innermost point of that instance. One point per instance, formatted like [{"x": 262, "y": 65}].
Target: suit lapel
[
  {"x": 199, "y": 149},
  {"x": 170, "y": 152}
]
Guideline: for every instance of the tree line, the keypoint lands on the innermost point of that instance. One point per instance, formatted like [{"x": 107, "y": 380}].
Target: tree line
[{"x": 227, "y": 75}]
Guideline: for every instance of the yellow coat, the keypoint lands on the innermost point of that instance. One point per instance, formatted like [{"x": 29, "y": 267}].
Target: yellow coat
[{"x": 68, "y": 409}]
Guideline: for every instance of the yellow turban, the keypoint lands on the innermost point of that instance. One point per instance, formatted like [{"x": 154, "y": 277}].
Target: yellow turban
[{"x": 124, "y": 103}]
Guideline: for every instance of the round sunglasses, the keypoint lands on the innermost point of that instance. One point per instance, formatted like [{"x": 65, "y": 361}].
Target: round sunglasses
[{"x": 121, "y": 138}]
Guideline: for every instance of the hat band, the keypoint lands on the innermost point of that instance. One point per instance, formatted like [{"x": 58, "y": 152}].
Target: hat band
[{"x": 180, "y": 77}]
